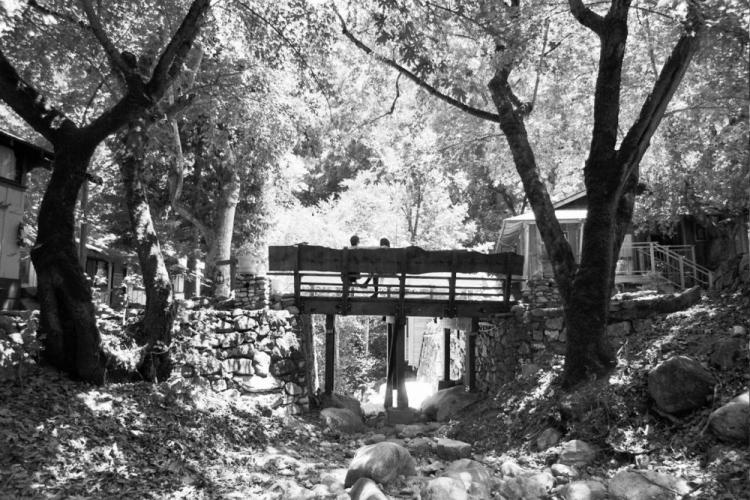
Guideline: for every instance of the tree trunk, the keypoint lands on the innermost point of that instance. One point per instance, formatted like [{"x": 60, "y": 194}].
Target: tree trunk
[
  {"x": 158, "y": 319},
  {"x": 586, "y": 304},
  {"x": 69, "y": 334},
  {"x": 220, "y": 248}
]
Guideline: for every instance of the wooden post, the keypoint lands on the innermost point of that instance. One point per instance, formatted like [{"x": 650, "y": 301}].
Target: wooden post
[
  {"x": 446, "y": 355},
  {"x": 508, "y": 279},
  {"x": 330, "y": 351},
  {"x": 399, "y": 334},
  {"x": 389, "y": 367},
  {"x": 297, "y": 279},
  {"x": 682, "y": 272}
]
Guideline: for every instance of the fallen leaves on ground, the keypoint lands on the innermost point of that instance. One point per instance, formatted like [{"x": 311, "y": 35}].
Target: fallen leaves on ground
[{"x": 64, "y": 439}]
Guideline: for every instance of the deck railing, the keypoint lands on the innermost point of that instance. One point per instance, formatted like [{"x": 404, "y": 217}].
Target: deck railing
[
  {"x": 445, "y": 280},
  {"x": 673, "y": 265}
]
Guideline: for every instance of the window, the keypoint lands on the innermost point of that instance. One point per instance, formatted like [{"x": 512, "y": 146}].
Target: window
[{"x": 7, "y": 163}]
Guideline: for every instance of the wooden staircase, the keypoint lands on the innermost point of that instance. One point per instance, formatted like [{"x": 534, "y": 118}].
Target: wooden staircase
[{"x": 664, "y": 267}]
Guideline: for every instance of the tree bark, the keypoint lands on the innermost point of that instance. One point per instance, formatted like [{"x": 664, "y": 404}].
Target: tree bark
[
  {"x": 220, "y": 248},
  {"x": 71, "y": 340},
  {"x": 156, "y": 331}
]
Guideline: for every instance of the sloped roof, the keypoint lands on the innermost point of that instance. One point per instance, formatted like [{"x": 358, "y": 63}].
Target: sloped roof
[{"x": 512, "y": 226}]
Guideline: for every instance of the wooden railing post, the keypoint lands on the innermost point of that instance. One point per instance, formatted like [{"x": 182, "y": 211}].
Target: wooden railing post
[
  {"x": 452, "y": 287},
  {"x": 682, "y": 272},
  {"x": 508, "y": 279},
  {"x": 653, "y": 256},
  {"x": 297, "y": 278}
]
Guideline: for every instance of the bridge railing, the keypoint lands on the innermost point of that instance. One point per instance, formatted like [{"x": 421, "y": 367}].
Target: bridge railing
[{"x": 402, "y": 273}]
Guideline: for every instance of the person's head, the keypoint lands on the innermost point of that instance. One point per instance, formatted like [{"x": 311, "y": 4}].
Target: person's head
[
  {"x": 384, "y": 242},
  {"x": 354, "y": 240}
]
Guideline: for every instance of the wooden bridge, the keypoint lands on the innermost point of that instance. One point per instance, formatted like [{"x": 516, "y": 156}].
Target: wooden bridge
[{"x": 410, "y": 282}]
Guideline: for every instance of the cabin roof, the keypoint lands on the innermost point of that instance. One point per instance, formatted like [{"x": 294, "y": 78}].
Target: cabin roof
[
  {"x": 569, "y": 215},
  {"x": 570, "y": 200},
  {"x": 512, "y": 226},
  {"x": 10, "y": 139}
]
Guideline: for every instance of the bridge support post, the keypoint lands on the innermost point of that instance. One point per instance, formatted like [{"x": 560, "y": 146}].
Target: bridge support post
[
  {"x": 330, "y": 352},
  {"x": 390, "y": 365},
  {"x": 470, "y": 372},
  {"x": 402, "y": 399},
  {"x": 446, "y": 356}
]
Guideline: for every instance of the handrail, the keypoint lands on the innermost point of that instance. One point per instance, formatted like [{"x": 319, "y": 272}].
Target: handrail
[{"x": 667, "y": 262}]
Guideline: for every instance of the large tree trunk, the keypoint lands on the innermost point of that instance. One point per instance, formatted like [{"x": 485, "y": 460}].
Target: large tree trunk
[
  {"x": 69, "y": 334},
  {"x": 70, "y": 337},
  {"x": 158, "y": 319},
  {"x": 220, "y": 249},
  {"x": 586, "y": 305}
]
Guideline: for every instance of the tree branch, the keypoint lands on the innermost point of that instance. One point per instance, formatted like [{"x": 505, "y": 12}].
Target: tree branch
[
  {"x": 174, "y": 54},
  {"x": 635, "y": 143},
  {"x": 30, "y": 105},
  {"x": 298, "y": 54},
  {"x": 392, "y": 108},
  {"x": 512, "y": 125},
  {"x": 479, "y": 113},
  {"x": 114, "y": 56},
  {"x": 586, "y": 16}
]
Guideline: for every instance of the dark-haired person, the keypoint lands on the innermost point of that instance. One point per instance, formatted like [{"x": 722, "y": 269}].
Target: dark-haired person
[
  {"x": 353, "y": 276},
  {"x": 384, "y": 243}
]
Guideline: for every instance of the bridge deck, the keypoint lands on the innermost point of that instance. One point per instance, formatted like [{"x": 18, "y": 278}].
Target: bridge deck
[
  {"x": 401, "y": 282},
  {"x": 410, "y": 281}
]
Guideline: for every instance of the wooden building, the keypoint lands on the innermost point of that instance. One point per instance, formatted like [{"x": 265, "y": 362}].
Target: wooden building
[
  {"x": 17, "y": 158},
  {"x": 645, "y": 260}
]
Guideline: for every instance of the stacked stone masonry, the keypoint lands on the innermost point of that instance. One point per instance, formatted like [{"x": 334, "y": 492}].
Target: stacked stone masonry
[
  {"x": 251, "y": 291},
  {"x": 511, "y": 345},
  {"x": 255, "y": 352}
]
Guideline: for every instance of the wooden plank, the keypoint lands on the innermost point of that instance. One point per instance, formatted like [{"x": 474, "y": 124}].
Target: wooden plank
[
  {"x": 411, "y": 307},
  {"x": 387, "y": 261},
  {"x": 330, "y": 352}
]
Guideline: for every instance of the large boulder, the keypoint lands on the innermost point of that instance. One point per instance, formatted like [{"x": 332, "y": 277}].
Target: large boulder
[
  {"x": 381, "y": 462},
  {"x": 731, "y": 422},
  {"x": 366, "y": 489},
  {"x": 341, "y": 401},
  {"x": 528, "y": 487},
  {"x": 727, "y": 353},
  {"x": 547, "y": 438},
  {"x": 577, "y": 453},
  {"x": 443, "y": 488},
  {"x": 445, "y": 403},
  {"x": 450, "y": 449},
  {"x": 680, "y": 384},
  {"x": 646, "y": 485},
  {"x": 476, "y": 478},
  {"x": 584, "y": 490},
  {"x": 342, "y": 420}
]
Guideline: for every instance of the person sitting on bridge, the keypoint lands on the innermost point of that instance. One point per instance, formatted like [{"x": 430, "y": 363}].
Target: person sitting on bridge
[
  {"x": 352, "y": 277},
  {"x": 384, "y": 243}
]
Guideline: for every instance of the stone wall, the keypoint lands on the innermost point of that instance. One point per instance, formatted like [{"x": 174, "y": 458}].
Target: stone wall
[
  {"x": 510, "y": 345},
  {"x": 254, "y": 352},
  {"x": 251, "y": 291}
]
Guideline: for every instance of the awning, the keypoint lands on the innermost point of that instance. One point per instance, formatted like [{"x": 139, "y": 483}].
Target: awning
[{"x": 512, "y": 226}]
